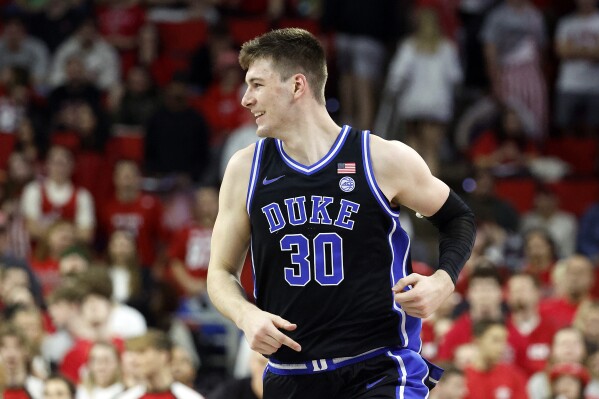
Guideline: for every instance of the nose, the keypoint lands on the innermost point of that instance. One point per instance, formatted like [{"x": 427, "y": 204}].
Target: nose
[{"x": 247, "y": 100}]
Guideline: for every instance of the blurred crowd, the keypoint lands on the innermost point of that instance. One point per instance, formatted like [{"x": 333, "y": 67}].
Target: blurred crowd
[{"x": 117, "y": 119}]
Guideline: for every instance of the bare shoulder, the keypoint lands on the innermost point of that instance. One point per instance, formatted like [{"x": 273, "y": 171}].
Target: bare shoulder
[
  {"x": 404, "y": 177},
  {"x": 237, "y": 175}
]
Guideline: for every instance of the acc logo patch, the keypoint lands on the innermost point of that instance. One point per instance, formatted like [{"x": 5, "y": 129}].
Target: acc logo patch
[{"x": 347, "y": 184}]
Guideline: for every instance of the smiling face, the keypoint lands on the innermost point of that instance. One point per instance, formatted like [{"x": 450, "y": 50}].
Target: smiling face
[{"x": 267, "y": 97}]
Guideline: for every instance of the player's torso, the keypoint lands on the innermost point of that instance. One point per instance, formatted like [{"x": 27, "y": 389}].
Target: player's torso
[{"x": 325, "y": 250}]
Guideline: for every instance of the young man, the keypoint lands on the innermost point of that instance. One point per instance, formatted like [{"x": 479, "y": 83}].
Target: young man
[
  {"x": 154, "y": 349},
  {"x": 337, "y": 307}
]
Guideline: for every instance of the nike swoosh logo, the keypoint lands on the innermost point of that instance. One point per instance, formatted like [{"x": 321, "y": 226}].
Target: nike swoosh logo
[
  {"x": 267, "y": 181},
  {"x": 368, "y": 386}
]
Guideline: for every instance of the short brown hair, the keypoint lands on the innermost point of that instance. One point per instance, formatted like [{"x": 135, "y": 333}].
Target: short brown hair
[
  {"x": 291, "y": 50},
  {"x": 153, "y": 338}
]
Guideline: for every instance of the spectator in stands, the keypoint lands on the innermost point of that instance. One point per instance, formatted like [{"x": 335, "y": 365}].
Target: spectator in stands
[
  {"x": 15, "y": 104},
  {"x": 568, "y": 381},
  {"x": 204, "y": 58},
  {"x": 101, "y": 320},
  {"x": 547, "y": 215},
  {"x": 58, "y": 387},
  {"x": 133, "y": 103},
  {"x": 577, "y": 46},
  {"x": 420, "y": 84},
  {"x": 489, "y": 375},
  {"x": 56, "y": 21},
  {"x": 536, "y": 331},
  {"x": 29, "y": 320},
  {"x": 189, "y": 251},
  {"x": 103, "y": 379},
  {"x": 567, "y": 347},
  {"x": 514, "y": 37},
  {"x": 63, "y": 308},
  {"x": 119, "y": 23},
  {"x": 576, "y": 282},
  {"x": 16, "y": 272},
  {"x": 484, "y": 297},
  {"x": 28, "y": 143},
  {"x": 488, "y": 207},
  {"x": 55, "y": 196},
  {"x": 184, "y": 367},
  {"x": 74, "y": 260},
  {"x": 155, "y": 351},
  {"x": 70, "y": 104},
  {"x": 505, "y": 148},
  {"x": 539, "y": 257},
  {"x": 15, "y": 356},
  {"x": 100, "y": 58},
  {"x": 176, "y": 137},
  {"x": 221, "y": 102},
  {"x": 244, "y": 388},
  {"x": 136, "y": 212},
  {"x": 362, "y": 32},
  {"x": 587, "y": 241},
  {"x": 59, "y": 236},
  {"x": 592, "y": 390},
  {"x": 21, "y": 50},
  {"x": 131, "y": 372},
  {"x": 587, "y": 321},
  {"x": 452, "y": 385},
  {"x": 124, "y": 267}
]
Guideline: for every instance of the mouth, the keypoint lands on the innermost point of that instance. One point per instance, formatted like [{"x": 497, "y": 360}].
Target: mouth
[{"x": 257, "y": 115}]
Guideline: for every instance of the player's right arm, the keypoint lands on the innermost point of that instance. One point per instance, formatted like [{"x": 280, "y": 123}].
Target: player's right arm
[{"x": 229, "y": 244}]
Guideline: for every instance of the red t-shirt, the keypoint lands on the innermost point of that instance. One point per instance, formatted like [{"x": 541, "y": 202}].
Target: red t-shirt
[
  {"x": 501, "y": 382},
  {"x": 77, "y": 356},
  {"x": 191, "y": 245},
  {"x": 66, "y": 211},
  {"x": 558, "y": 311},
  {"x": 142, "y": 217},
  {"x": 533, "y": 355},
  {"x": 47, "y": 273},
  {"x": 461, "y": 333},
  {"x": 16, "y": 393}
]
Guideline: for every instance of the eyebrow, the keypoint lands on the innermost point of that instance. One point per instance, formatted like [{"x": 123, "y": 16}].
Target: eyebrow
[{"x": 254, "y": 79}]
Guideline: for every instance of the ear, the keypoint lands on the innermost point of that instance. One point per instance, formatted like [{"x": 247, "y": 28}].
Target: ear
[{"x": 300, "y": 85}]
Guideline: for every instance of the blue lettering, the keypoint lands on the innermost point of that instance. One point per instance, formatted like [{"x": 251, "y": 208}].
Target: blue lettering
[
  {"x": 347, "y": 208},
  {"x": 301, "y": 204},
  {"x": 274, "y": 216},
  {"x": 320, "y": 214}
]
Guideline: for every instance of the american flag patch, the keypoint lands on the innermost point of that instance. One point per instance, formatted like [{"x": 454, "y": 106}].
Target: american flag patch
[{"x": 346, "y": 168}]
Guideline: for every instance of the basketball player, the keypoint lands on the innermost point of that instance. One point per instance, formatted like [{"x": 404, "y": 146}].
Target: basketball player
[{"x": 337, "y": 308}]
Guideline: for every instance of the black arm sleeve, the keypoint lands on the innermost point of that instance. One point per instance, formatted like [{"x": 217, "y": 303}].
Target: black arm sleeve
[{"x": 457, "y": 230}]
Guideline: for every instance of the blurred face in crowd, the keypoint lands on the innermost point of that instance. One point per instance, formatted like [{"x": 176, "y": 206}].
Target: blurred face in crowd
[
  {"x": 75, "y": 70},
  {"x": 56, "y": 388},
  {"x": 138, "y": 81},
  {"x": 72, "y": 264},
  {"x": 578, "y": 278},
  {"x": 95, "y": 310},
  {"x": 523, "y": 293},
  {"x": 121, "y": 247},
  {"x": 207, "y": 204},
  {"x": 484, "y": 296},
  {"x": 60, "y": 237},
  {"x": 103, "y": 365},
  {"x": 131, "y": 366},
  {"x": 127, "y": 177},
  {"x": 568, "y": 346},
  {"x": 452, "y": 386},
  {"x": 13, "y": 277},
  {"x": 13, "y": 354},
  {"x": 492, "y": 344},
  {"x": 153, "y": 361},
  {"x": 59, "y": 164},
  {"x": 30, "y": 322},
  {"x": 61, "y": 311},
  {"x": 14, "y": 34},
  {"x": 567, "y": 387},
  {"x": 537, "y": 246},
  {"x": 182, "y": 366},
  {"x": 19, "y": 295}
]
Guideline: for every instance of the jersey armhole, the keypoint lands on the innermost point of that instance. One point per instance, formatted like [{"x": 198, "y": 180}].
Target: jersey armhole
[
  {"x": 374, "y": 187},
  {"x": 254, "y": 172}
]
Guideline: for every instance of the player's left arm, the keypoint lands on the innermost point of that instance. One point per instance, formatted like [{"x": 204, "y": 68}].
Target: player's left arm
[{"x": 406, "y": 180}]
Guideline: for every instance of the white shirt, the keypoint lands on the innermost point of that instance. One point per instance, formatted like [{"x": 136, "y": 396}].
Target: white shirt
[
  {"x": 579, "y": 75},
  {"x": 31, "y": 201},
  {"x": 425, "y": 81},
  {"x": 126, "y": 322},
  {"x": 179, "y": 390},
  {"x": 109, "y": 392}
]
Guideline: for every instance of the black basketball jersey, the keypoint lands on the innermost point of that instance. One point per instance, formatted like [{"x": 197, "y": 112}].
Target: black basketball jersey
[{"x": 326, "y": 249}]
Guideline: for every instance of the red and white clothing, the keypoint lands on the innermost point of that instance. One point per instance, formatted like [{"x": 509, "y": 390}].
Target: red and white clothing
[
  {"x": 533, "y": 355},
  {"x": 559, "y": 311},
  {"x": 142, "y": 218},
  {"x": 461, "y": 333},
  {"x": 47, "y": 201},
  {"x": 191, "y": 245},
  {"x": 176, "y": 391},
  {"x": 501, "y": 382},
  {"x": 33, "y": 389}
]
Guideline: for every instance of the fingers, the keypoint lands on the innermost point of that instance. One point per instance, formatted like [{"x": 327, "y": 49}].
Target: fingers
[
  {"x": 280, "y": 322},
  {"x": 269, "y": 338},
  {"x": 404, "y": 282}
]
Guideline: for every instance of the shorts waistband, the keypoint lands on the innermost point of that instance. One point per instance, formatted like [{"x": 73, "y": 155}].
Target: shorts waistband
[{"x": 320, "y": 365}]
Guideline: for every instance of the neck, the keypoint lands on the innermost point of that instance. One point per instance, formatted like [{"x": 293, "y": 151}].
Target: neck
[
  {"x": 16, "y": 378},
  {"x": 483, "y": 364},
  {"x": 126, "y": 195},
  {"x": 485, "y": 313},
  {"x": 160, "y": 382}
]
